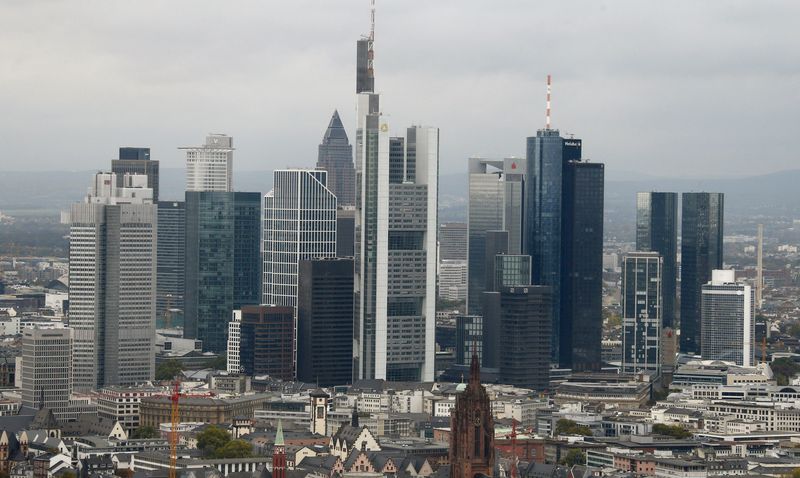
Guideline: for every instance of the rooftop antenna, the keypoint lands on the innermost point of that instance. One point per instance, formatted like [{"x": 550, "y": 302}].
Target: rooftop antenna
[
  {"x": 370, "y": 50},
  {"x": 547, "y": 123}
]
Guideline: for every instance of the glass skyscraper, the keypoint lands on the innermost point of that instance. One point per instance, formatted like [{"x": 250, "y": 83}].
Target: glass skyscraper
[
  {"x": 335, "y": 156},
  {"x": 701, "y": 253},
  {"x": 657, "y": 231},
  {"x": 641, "y": 312},
  {"x": 171, "y": 271}
]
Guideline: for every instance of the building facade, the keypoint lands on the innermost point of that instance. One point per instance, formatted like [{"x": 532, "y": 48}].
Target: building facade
[
  {"x": 46, "y": 369},
  {"x": 701, "y": 252},
  {"x": 112, "y": 277},
  {"x": 453, "y": 280},
  {"x": 233, "y": 363},
  {"x": 267, "y": 345},
  {"x": 453, "y": 241},
  {"x": 171, "y": 268},
  {"x": 335, "y": 156},
  {"x": 136, "y": 161},
  {"x": 299, "y": 224},
  {"x": 657, "y": 231},
  {"x": 641, "y": 312},
  {"x": 728, "y": 320},
  {"x": 210, "y": 167}
]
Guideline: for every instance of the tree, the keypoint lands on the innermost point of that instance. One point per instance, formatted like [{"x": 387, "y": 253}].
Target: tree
[
  {"x": 145, "y": 432},
  {"x": 212, "y": 439},
  {"x": 235, "y": 449},
  {"x": 794, "y": 474},
  {"x": 568, "y": 427},
  {"x": 675, "y": 431},
  {"x": 168, "y": 370},
  {"x": 219, "y": 363},
  {"x": 784, "y": 369},
  {"x": 574, "y": 457}
]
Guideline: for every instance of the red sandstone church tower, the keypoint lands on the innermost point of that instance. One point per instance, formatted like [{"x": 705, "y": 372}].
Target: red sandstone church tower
[
  {"x": 472, "y": 429},
  {"x": 279, "y": 454}
]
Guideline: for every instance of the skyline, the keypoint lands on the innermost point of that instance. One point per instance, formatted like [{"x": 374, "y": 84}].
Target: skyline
[{"x": 642, "y": 104}]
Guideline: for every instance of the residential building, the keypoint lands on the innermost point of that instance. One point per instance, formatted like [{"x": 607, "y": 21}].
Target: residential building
[
  {"x": 335, "y": 156},
  {"x": 112, "y": 277},
  {"x": 46, "y": 369},
  {"x": 267, "y": 344},
  {"x": 136, "y": 161},
  {"x": 728, "y": 320},
  {"x": 210, "y": 167},
  {"x": 701, "y": 252},
  {"x": 657, "y": 231},
  {"x": 171, "y": 269},
  {"x": 641, "y": 312}
]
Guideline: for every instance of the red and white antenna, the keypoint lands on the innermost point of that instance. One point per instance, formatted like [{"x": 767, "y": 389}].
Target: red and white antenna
[
  {"x": 372, "y": 20},
  {"x": 547, "y": 114},
  {"x": 370, "y": 50}
]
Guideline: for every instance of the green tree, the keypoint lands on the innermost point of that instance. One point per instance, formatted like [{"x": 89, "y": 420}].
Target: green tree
[
  {"x": 574, "y": 457},
  {"x": 675, "y": 431},
  {"x": 235, "y": 449},
  {"x": 794, "y": 474},
  {"x": 145, "y": 432},
  {"x": 212, "y": 439},
  {"x": 219, "y": 363},
  {"x": 168, "y": 370},
  {"x": 568, "y": 427},
  {"x": 784, "y": 369}
]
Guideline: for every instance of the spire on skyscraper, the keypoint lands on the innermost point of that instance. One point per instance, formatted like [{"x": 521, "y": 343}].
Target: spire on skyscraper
[{"x": 335, "y": 133}]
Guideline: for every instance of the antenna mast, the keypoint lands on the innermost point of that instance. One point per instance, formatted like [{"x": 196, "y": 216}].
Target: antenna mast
[
  {"x": 547, "y": 123},
  {"x": 370, "y": 50}
]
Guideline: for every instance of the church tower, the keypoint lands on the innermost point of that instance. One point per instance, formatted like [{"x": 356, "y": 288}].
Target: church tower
[
  {"x": 279, "y": 455},
  {"x": 472, "y": 429}
]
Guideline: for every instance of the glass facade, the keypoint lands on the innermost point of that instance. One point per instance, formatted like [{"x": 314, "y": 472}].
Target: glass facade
[
  {"x": 701, "y": 252},
  {"x": 641, "y": 312},
  {"x": 657, "y": 231},
  {"x": 469, "y": 336},
  {"x": 335, "y": 155},
  {"x": 524, "y": 324},
  {"x": 171, "y": 271}
]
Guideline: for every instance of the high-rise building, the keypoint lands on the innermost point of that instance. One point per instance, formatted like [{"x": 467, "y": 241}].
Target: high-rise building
[
  {"x": 641, "y": 312},
  {"x": 325, "y": 322},
  {"x": 496, "y": 196},
  {"x": 267, "y": 344},
  {"x": 223, "y": 266},
  {"x": 112, "y": 278},
  {"x": 728, "y": 319},
  {"x": 453, "y": 241},
  {"x": 336, "y": 157},
  {"x": 469, "y": 338},
  {"x": 136, "y": 161},
  {"x": 233, "y": 363},
  {"x": 46, "y": 368},
  {"x": 345, "y": 231},
  {"x": 701, "y": 252},
  {"x": 582, "y": 260},
  {"x": 210, "y": 167},
  {"x": 657, "y": 231},
  {"x": 171, "y": 267},
  {"x": 453, "y": 280},
  {"x": 299, "y": 224}
]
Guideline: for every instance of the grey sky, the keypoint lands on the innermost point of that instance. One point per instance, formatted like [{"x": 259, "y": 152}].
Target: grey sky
[{"x": 685, "y": 88}]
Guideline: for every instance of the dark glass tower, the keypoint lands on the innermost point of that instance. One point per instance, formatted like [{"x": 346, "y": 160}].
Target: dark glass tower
[
  {"x": 657, "y": 231},
  {"x": 136, "y": 161},
  {"x": 525, "y": 336},
  {"x": 171, "y": 270},
  {"x": 267, "y": 341},
  {"x": 325, "y": 322},
  {"x": 222, "y": 262},
  {"x": 336, "y": 157},
  {"x": 701, "y": 252}
]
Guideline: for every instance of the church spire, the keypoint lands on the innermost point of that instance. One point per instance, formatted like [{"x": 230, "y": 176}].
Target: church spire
[
  {"x": 279, "y": 454},
  {"x": 475, "y": 366}
]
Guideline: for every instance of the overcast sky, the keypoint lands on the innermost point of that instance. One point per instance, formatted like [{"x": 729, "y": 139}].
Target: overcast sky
[{"x": 684, "y": 89}]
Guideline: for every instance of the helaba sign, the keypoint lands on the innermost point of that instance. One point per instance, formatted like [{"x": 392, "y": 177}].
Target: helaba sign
[{"x": 572, "y": 142}]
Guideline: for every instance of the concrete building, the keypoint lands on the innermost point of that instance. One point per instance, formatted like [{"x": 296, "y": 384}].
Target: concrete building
[
  {"x": 452, "y": 241},
  {"x": 233, "y": 363},
  {"x": 112, "y": 277},
  {"x": 121, "y": 404},
  {"x": 641, "y": 312},
  {"x": 46, "y": 369},
  {"x": 728, "y": 320},
  {"x": 299, "y": 224},
  {"x": 453, "y": 280},
  {"x": 210, "y": 167},
  {"x": 335, "y": 156},
  {"x": 136, "y": 161}
]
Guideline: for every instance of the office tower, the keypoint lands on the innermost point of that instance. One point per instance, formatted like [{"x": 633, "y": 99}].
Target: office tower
[
  {"x": 728, "y": 320},
  {"x": 469, "y": 338},
  {"x": 582, "y": 262},
  {"x": 760, "y": 267},
  {"x": 657, "y": 231},
  {"x": 46, "y": 368},
  {"x": 112, "y": 278},
  {"x": 299, "y": 224},
  {"x": 136, "y": 161},
  {"x": 267, "y": 341},
  {"x": 210, "y": 167},
  {"x": 495, "y": 244},
  {"x": 233, "y": 362},
  {"x": 701, "y": 252},
  {"x": 336, "y": 157},
  {"x": 171, "y": 269},
  {"x": 223, "y": 266},
  {"x": 641, "y": 312},
  {"x": 453, "y": 280},
  {"x": 524, "y": 325},
  {"x": 452, "y": 241},
  {"x": 496, "y": 196},
  {"x": 345, "y": 231},
  {"x": 325, "y": 322},
  {"x": 511, "y": 270}
]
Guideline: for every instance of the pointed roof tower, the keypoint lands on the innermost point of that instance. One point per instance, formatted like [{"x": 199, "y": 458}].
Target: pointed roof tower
[
  {"x": 475, "y": 366},
  {"x": 335, "y": 133},
  {"x": 279, "y": 434}
]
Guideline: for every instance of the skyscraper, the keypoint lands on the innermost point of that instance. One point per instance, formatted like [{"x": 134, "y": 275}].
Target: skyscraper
[
  {"x": 641, "y": 312},
  {"x": 299, "y": 224},
  {"x": 701, "y": 252},
  {"x": 496, "y": 195},
  {"x": 136, "y": 161},
  {"x": 325, "y": 321},
  {"x": 728, "y": 320},
  {"x": 525, "y": 336},
  {"x": 267, "y": 341},
  {"x": 345, "y": 231},
  {"x": 112, "y": 277},
  {"x": 452, "y": 241},
  {"x": 171, "y": 267},
  {"x": 46, "y": 368},
  {"x": 210, "y": 167},
  {"x": 657, "y": 231},
  {"x": 336, "y": 157},
  {"x": 223, "y": 266}
]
